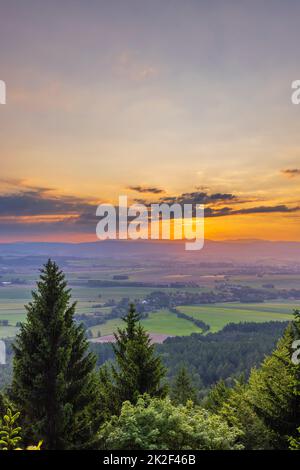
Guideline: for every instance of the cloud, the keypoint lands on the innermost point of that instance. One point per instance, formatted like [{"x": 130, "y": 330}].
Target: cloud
[
  {"x": 34, "y": 207},
  {"x": 225, "y": 211},
  {"x": 37, "y": 212},
  {"x": 291, "y": 172},
  {"x": 195, "y": 197},
  {"x": 214, "y": 204},
  {"x": 34, "y": 211},
  {"x": 201, "y": 197},
  {"x": 141, "y": 189},
  {"x": 38, "y": 202}
]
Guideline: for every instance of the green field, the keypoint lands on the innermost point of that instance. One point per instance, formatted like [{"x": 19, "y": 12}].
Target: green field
[
  {"x": 13, "y": 299},
  {"x": 106, "y": 328},
  {"x": 218, "y": 315},
  {"x": 276, "y": 307},
  {"x": 160, "y": 322},
  {"x": 280, "y": 281},
  {"x": 165, "y": 322}
]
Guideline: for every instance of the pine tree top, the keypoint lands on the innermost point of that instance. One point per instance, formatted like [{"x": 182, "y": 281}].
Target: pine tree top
[
  {"x": 132, "y": 321},
  {"x": 53, "y": 379}
]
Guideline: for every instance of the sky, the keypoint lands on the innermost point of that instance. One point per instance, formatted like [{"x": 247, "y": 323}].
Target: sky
[{"x": 159, "y": 100}]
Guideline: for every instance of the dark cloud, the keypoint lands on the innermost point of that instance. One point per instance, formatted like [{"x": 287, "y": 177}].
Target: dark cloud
[
  {"x": 225, "y": 211},
  {"x": 151, "y": 190},
  {"x": 74, "y": 214},
  {"x": 213, "y": 201},
  {"x": 291, "y": 172},
  {"x": 195, "y": 197},
  {"x": 39, "y": 201},
  {"x": 78, "y": 215},
  {"x": 201, "y": 197},
  {"x": 267, "y": 209}
]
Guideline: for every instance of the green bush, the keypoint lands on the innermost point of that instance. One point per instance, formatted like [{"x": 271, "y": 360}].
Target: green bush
[{"x": 158, "y": 424}]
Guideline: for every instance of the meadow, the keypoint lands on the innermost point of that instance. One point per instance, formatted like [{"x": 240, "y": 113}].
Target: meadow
[
  {"x": 219, "y": 315},
  {"x": 14, "y": 297},
  {"x": 160, "y": 322}
]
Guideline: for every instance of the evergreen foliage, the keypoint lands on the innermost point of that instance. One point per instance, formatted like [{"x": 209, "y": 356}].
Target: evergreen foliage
[
  {"x": 54, "y": 384},
  {"x": 274, "y": 388},
  {"x": 182, "y": 388},
  {"x": 137, "y": 368}
]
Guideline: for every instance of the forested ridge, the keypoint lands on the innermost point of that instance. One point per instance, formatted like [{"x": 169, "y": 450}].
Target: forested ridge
[
  {"x": 236, "y": 389},
  {"x": 224, "y": 355}
]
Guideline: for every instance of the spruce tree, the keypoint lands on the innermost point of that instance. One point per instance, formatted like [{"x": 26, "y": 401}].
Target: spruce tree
[
  {"x": 217, "y": 395},
  {"x": 274, "y": 389},
  {"x": 138, "y": 368},
  {"x": 53, "y": 382},
  {"x": 233, "y": 404},
  {"x": 182, "y": 388}
]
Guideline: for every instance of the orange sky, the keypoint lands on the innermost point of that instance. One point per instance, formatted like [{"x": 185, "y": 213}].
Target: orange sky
[{"x": 152, "y": 102}]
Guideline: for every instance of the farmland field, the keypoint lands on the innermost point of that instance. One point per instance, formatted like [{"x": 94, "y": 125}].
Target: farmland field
[
  {"x": 161, "y": 322},
  {"x": 218, "y": 315},
  {"x": 165, "y": 322},
  {"x": 13, "y": 299}
]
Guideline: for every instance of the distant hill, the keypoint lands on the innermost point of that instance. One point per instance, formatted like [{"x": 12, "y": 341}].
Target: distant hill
[{"x": 250, "y": 251}]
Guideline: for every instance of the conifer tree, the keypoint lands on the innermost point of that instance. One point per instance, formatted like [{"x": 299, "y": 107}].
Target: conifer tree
[
  {"x": 53, "y": 382},
  {"x": 138, "y": 368},
  {"x": 217, "y": 395},
  {"x": 182, "y": 388},
  {"x": 233, "y": 404},
  {"x": 274, "y": 389}
]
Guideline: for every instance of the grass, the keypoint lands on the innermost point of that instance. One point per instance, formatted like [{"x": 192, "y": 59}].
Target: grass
[
  {"x": 159, "y": 322},
  {"x": 276, "y": 307},
  {"x": 13, "y": 299},
  {"x": 217, "y": 316},
  {"x": 165, "y": 322},
  {"x": 106, "y": 328}
]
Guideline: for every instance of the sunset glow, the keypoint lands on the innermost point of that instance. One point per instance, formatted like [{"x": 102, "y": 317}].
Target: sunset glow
[{"x": 111, "y": 103}]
